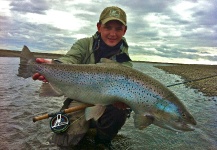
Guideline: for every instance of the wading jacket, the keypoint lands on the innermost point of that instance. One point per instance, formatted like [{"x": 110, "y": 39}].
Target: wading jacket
[{"x": 82, "y": 52}]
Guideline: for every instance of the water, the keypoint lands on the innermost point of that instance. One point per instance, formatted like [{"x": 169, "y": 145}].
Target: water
[{"x": 19, "y": 103}]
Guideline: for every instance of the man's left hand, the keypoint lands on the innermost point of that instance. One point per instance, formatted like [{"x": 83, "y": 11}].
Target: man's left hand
[{"x": 120, "y": 105}]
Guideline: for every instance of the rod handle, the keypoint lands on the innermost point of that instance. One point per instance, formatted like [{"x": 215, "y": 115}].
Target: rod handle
[
  {"x": 45, "y": 116},
  {"x": 65, "y": 111},
  {"x": 77, "y": 108}
]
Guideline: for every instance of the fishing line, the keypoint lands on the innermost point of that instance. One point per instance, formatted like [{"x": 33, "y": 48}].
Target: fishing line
[{"x": 191, "y": 81}]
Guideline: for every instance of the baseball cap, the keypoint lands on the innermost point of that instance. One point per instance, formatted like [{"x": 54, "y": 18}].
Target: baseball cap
[{"x": 113, "y": 13}]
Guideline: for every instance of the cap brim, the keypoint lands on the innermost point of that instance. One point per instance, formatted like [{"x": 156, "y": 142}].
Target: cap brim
[{"x": 104, "y": 21}]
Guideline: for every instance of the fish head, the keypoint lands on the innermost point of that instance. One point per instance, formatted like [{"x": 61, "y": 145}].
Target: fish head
[{"x": 174, "y": 116}]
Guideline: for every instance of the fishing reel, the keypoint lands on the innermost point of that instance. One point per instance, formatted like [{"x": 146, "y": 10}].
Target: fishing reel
[{"x": 59, "y": 123}]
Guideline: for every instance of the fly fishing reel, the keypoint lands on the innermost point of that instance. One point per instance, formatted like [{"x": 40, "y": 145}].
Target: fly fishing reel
[{"x": 59, "y": 123}]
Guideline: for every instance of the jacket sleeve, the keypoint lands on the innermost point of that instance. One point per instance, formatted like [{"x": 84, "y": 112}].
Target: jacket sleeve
[{"x": 76, "y": 54}]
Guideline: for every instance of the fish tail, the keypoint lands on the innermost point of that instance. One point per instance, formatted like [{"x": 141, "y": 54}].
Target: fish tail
[{"x": 26, "y": 58}]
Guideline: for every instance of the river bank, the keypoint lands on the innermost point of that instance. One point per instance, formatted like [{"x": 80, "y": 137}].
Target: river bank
[{"x": 203, "y": 77}]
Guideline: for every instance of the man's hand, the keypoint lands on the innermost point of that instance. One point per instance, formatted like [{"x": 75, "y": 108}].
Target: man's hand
[
  {"x": 38, "y": 76},
  {"x": 120, "y": 105}
]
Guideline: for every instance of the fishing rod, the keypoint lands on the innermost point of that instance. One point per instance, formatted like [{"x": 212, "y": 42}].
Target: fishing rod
[
  {"x": 60, "y": 122},
  {"x": 65, "y": 111},
  {"x": 191, "y": 81}
]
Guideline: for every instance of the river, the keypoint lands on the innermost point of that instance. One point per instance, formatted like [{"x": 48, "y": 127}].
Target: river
[{"x": 20, "y": 102}]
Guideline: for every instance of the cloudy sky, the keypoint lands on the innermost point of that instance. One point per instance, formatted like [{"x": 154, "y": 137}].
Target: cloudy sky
[{"x": 180, "y": 31}]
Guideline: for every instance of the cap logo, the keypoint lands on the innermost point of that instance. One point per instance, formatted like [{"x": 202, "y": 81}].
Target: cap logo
[{"x": 114, "y": 13}]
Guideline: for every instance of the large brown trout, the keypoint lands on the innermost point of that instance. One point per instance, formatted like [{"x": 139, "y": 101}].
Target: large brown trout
[{"x": 106, "y": 83}]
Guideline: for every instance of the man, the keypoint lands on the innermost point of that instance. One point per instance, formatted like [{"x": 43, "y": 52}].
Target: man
[{"x": 108, "y": 42}]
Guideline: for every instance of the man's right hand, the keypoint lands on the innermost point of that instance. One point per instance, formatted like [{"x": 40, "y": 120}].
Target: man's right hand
[{"x": 38, "y": 76}]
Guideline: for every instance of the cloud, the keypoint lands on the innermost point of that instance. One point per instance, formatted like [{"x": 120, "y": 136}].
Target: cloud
[{"x": 30, "y": 6}]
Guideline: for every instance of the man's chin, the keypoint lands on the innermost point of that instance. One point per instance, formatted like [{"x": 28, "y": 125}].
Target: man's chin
[{"x": 111, "y": 44}]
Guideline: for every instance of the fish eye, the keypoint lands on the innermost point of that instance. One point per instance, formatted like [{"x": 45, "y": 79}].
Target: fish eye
[{"x": 183, "y": 115}]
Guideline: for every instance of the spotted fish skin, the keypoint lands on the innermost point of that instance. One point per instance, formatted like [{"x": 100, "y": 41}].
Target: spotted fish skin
[{"x": 106, "y": 83}]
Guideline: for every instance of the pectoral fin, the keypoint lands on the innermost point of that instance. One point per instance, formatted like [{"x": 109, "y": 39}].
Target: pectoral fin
[
  {"x": 94, "y": 112},
  {"x": 48, "y": 90},
  {"x": 142, "y": 122}
]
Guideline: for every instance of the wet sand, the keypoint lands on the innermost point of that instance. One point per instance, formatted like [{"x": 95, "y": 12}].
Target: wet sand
[{"x": 207, "y": 74}]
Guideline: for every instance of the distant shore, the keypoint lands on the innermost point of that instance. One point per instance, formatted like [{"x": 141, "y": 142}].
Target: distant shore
[
  {"x": 14, "y": 53},
  {"x": 206, "y": 73},
  {"x": 186, "y": 71}
]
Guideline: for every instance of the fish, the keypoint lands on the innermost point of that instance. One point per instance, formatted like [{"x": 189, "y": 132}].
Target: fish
[{"x": 105, "y": 83}]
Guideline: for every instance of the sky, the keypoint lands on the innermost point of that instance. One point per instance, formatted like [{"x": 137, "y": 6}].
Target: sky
[{"x": 174, "y": 31}]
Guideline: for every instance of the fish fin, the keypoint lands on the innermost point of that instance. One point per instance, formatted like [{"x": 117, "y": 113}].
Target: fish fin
[
  {"x": 142, "y": 122},
  {"x": 94, "y": 112},
  {"x": 48, "y": 90},
  {"x": 25, "y": 57}
]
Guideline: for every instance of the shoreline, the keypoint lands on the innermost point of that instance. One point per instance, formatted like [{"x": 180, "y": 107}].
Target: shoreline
[
  {"x": 14, "y": 53},
  {"x": 206, "y": 75},
  {"x": 187, "y": 71}
]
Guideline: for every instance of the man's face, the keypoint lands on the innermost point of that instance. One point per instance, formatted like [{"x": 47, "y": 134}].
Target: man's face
[{"x": 111, "y": 32}]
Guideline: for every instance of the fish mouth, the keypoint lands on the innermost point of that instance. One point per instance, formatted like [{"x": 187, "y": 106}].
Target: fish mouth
[
  {"x": 180, "y": 126},
  {"x": 187, "y": 127},
  {"x": 177, "y": 126},
  {"x": 190, "y": 125},
  {"x": 183, "y": 126}
]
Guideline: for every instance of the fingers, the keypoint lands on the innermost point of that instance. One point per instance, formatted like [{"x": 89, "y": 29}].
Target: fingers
[
  {"x": 38, "y": 76},
  {"x": 42, "y": 60},
  {"x": 41, "y": 78},
  {"x": 39, "y": 60},
  {"x": 120, "y": 105}
]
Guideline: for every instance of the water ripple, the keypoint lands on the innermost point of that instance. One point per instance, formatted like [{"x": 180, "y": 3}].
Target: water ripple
[{"x": 20, "y": 102}]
